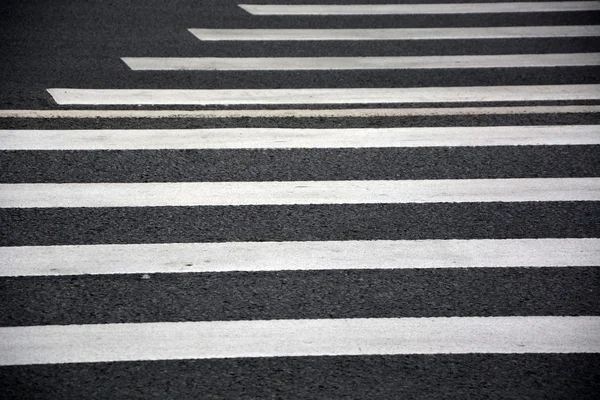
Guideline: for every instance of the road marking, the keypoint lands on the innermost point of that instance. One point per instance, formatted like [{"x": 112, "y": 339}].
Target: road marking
[
  {"x": 282, "y": 138},
  {"x": 360, "y": 63},
  {"x": 325, "y": 96},
  {"x": 44, "y": 195},
  {"x": 300, "y": 113},
  {"x": 411, "y": 9},
  {"x": 58, "y": 344},
  {"x": 509, "y": 32},
  {"x": 290, "y": 256}
]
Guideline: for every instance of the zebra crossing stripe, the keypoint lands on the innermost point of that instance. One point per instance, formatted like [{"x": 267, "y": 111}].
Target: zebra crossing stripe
[
  {"x": 57, "y": 344},
  {"x": 291, "y": 256},
  {"x": 467, "y": 33},
  {"x": 281, "y": 138},
  {"x": 412, "y": 9},
  {"x": 301, "y": 113},
  {"x": 44, "y": 195},
  {"x": 360, "y": 63},
  {"x": 325, "y": 96}
]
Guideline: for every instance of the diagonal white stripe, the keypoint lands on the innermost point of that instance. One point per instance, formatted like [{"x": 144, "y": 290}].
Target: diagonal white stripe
[{"x": 284, "y": 338}]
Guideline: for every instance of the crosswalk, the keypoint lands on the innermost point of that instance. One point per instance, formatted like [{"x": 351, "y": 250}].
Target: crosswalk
[{"x": 277, "y": 247}]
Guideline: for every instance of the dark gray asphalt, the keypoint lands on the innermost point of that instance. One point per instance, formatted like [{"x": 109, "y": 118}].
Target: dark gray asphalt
[
  {"x": 298, "y": 164},
  {"x": 293, "y": 122},
  {"x": 59, "y": 226},
  {"x": 300, "y": 295},
  {"x": 471, "y": 376},
  {"x": 79, "y": 43}
]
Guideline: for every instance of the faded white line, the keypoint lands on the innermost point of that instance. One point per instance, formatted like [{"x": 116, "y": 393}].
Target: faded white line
[
  {"x": 289, "y": 256},
  {"x": 411, "y": 9},
  {"x": 360, "y": 63},
  {"x": 281, "y": 138},
  {"x": 301, "y": 113},
  {"x": 325, "y": 96},
  {"x": 57, "y": 344},
  {"x": 43, "y": 195},
  {"x": 509, "y": 32}
]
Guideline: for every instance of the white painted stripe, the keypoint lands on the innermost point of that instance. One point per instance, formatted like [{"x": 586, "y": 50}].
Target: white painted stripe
[
  {"x": 411, "y": 9},
  {"x": 43, "y": 195},
  {"x": 289, "y": 256},
  {"x": 360, "y": 63},
  {"x": 300, "y": 113},
  {"x": 325, "y": 96},
  {"x": 284, "y": 338},
  {"x": 508, "y": 32},
  {"x": 281, "y": 138}
]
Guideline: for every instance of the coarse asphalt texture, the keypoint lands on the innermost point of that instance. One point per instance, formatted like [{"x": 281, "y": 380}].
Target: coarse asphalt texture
[{"x": 79, "y": 44}]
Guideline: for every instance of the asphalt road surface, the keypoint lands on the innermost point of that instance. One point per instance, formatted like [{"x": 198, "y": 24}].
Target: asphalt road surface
[{"x": 211, "y": 201}]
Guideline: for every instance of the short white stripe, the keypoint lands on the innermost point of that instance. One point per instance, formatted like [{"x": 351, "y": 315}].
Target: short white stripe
[
  {"x": 360, "y": 63},
  {"x": 411, "y": 9},
  {"x": 325, "y": 96},
  {"x": 32, "y": 195},
  {"x": 300, "y": 113},
  {"x": 281, "y": 138},
  {"x": 288, "y": 256},
  {"x": 284, "y": 338},
  {"x": 509, "y": 32}
]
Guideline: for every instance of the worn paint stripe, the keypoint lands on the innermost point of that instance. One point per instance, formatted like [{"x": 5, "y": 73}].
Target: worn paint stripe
[
  {"x": 300, "y": 113},
  {"x": 412, "y": 9},
  {"x": 467, "y": 33},
  {"x": 360, "y": 63},
  {"x": 325, "y": 96},
  {"x": 284, "y": 338},
  {"x": 289, "y": 256},
  {"x": 44, "y": 195},
  {"x": 279, "y": 138}
]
